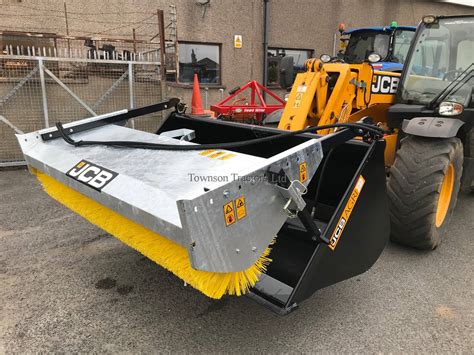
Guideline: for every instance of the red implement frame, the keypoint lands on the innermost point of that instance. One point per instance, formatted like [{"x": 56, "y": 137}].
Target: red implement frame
[{"x": 233, "y": 108}]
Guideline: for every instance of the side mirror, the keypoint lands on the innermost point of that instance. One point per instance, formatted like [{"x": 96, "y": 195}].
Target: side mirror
[{"x": 286, "y": 72}]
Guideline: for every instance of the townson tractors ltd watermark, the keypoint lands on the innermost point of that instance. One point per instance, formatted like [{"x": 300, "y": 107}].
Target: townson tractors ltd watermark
[{"x": 233, "y": 177}]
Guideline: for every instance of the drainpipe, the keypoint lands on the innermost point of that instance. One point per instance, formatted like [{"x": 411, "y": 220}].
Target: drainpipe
[{"x": 265, "y": 42}]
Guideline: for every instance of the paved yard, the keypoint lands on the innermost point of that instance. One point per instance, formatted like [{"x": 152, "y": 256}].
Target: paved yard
[{"x": 68, "y": 286}]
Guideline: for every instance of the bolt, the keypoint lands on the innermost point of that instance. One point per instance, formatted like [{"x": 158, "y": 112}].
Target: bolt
[
  {"x": 237, "y": 251},
  {"x": 254, "y": 249},
  {"x": 70, "y": 130},
  {"x": 226, "y": 193}
]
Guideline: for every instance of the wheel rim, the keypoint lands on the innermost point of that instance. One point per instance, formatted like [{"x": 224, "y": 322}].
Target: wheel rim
[{"x": 445, "y": 196}]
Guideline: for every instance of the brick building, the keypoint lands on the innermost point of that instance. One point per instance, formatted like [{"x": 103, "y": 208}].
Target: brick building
[{"x": 206, "y": 30}]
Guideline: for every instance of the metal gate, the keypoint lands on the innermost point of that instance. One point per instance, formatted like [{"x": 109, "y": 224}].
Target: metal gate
[{"x": 36, "y": 92}]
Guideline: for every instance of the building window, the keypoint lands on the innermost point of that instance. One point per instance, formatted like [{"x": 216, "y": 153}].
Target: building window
[
  {"x": 202, "y": 59},
  {"x": 276, "y": 63}
]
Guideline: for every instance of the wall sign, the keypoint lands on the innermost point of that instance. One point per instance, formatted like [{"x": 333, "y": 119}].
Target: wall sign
[{"x": 238, "y": 41}]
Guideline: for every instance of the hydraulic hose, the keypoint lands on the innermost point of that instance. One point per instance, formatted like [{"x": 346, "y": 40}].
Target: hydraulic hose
[{"x": 360, "y": 129}]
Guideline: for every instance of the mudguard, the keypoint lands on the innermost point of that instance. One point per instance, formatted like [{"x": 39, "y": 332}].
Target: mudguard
[{"x": 435, "y": 127}]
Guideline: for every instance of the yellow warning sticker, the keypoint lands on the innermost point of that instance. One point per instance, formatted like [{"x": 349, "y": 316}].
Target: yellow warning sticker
[
  {"x": 206, "y": 152},
  {"x": 229, "y": 213},
  {"x": 216, "y": 154},
  {"x": 299, "y": 95},
  {"x": 240, "y": 207},
  {"x": 228, "y": 156},
  {"x": 80, "y": 165},
  {"x": 346, "y": 213},
  {"x": 211, "y": 153},
  {"x": 237, "y": 41},
  {"x": 303, "y": 172}
]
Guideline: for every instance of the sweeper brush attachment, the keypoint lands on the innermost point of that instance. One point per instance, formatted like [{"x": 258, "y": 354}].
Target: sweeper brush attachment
[{"x": 228, "y": 208}]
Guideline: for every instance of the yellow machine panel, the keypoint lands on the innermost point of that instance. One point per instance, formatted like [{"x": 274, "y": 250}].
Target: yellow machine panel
[{"x": 337, "y": 92}]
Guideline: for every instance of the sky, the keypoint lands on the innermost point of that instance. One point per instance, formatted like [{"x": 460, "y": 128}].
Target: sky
[{"x": 460, "y": 2}]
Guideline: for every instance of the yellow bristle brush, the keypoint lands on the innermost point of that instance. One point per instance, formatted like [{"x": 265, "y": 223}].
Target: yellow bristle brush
[{"x": 154, "y": 246}]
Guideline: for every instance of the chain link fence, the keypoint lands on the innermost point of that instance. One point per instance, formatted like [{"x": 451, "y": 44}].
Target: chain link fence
[{"x": 36, "y": 92}]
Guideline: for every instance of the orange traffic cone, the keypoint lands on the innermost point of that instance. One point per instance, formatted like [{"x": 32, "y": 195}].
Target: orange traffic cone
[{"x": 196, "y": 102}]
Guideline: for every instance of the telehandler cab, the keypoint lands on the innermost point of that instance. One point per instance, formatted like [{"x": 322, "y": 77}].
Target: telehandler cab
[{"x": 390, "y": 43}]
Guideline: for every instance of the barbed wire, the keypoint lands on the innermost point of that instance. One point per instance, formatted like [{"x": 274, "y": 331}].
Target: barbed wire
[
  {"x": 141, "y": 23},
  {"x": 74, "y": 12},
  {"x": 71, "y": 18},
  {"x": 127, "y": 25},
  {"x": 60, "y": 14}
]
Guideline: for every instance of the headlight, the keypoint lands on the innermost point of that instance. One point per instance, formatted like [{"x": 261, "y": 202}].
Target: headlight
[
  {"x": 450, "y": 108},
  {"x": 325, "y": 58},
  {"x": 374, "y": 57},
  {"x": 429, "y": 19}
]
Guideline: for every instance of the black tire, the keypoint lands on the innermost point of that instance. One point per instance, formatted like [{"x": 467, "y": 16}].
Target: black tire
[
  {"x": 273, "y": 119},
  {"x": 414, "y": 188}
]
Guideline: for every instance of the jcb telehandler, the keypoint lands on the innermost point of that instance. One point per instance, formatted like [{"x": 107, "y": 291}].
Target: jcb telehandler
[
  {"x": 431, "y": 121},
  {"x": 434, "y": 114},
  {"x": 232, "y": 208}
]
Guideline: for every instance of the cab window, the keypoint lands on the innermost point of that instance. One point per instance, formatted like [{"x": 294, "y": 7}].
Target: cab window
[
  {"x": 430, "y": 59},
  {"x": 401, "y": 45},
  {"x": 464, "y": 54},
  {"x": 363, "y": 43}
]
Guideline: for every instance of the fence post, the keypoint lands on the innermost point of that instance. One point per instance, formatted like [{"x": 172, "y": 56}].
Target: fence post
[
  {"x": 43, "y": 92},
  {"x": 161, "y": 32},
  {"x": 130, "y": 87}
]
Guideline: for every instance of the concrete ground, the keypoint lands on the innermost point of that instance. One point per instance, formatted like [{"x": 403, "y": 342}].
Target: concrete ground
[{"x": 67, "y": 286}]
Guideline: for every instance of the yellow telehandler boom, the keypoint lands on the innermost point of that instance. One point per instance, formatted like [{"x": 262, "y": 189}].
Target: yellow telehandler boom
[{"x": 328, "y": 93}]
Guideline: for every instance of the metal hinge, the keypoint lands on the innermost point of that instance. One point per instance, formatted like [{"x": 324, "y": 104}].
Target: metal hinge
[
  {"x": 294, "y": 193},
  {"x": 359, "y": 84}
]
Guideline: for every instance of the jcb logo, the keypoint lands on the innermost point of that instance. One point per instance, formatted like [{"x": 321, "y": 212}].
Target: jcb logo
[
  {"x": 346, "y": 213},
  {"x": 92, "y": 175},
  {"x": 337, "y": 233},
  {"x": 384, "y": 84}
]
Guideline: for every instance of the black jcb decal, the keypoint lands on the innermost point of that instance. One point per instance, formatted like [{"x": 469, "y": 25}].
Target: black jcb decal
[
  {"x": 91, "y": 174},
  {"x": 385, "y": 84}
]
